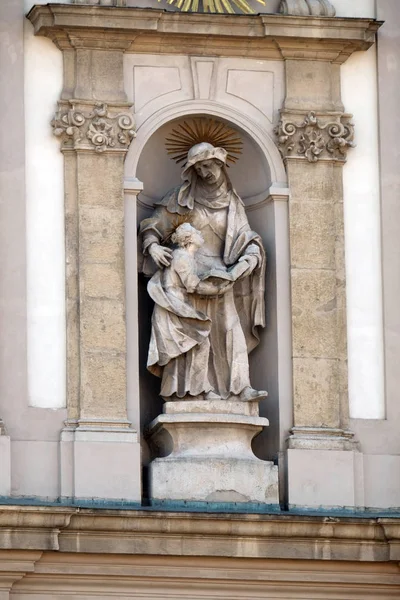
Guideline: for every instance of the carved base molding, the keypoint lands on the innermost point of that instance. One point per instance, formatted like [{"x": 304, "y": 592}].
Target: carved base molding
[
  {"x": 322, "y": 438},
  {"x": 100, "y": 459}
]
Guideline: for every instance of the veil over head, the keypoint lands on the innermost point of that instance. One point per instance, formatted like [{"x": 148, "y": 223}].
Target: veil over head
[{"x": 198, "y": 153}]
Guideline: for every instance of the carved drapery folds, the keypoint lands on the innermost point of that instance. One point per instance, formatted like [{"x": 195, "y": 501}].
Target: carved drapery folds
[
  {"x": 305, "y": 8},
  {"x": 99, "y": 129},
  {"x": 314, "y": 138}
]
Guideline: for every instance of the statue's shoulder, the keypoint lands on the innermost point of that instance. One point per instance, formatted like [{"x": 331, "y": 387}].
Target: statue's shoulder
[{"x": 170, "y": 200}]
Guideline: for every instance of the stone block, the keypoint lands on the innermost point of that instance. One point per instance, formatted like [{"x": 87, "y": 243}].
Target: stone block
[
  {"x": 312, "y": 234},
  {"x": 103, "y": 325},
  {"x": 322, "y": 478},
  {"x": 382, "y": 481},
  {"x": 101, "y": 235},
  {"x": 316, "y": 394},
  {"x": 99, "y": 182},
  {"x": 103, "y": 281},
  {"x": 103, "y": 385},
  {"x": 102, "y": 465},
  {"x": 314, "y": 313},
  {"x": 319, "y": 182},
  {"x": 310, "y": 85},
  {"x": 214, "y": 480}
]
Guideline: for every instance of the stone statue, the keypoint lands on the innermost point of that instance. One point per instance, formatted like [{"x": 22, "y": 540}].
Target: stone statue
[{"x": 209, "y": 290}]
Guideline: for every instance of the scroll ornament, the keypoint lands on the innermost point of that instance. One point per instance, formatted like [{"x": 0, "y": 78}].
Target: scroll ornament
[
  {"x": 99, "y": 129},
  {"x": 313, "y": 140},
  {"x": 306, "y": 8}
]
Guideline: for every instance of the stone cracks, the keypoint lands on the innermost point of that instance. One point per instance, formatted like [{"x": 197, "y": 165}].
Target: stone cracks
[
  {"x": 314, "y": 138},
  {"x": 305, "y": 8},
  {"x": 101, "y": 128}
]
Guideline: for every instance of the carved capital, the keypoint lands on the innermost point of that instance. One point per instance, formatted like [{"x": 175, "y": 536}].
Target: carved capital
[
  {"x": 101, "y": 129},
  {"x": 305, "y": 8},
  {"x": 312, "y": 138}
]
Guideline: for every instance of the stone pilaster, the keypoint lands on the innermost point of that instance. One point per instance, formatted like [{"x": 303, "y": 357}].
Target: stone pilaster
[
  {"x": 100, "y": 453},
  {"x": 5, "y": 461},
  {"x": 314, "y": 136}
]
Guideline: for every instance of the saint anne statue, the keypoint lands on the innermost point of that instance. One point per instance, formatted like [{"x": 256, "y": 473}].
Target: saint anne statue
[{"x": 203, "y": 328}]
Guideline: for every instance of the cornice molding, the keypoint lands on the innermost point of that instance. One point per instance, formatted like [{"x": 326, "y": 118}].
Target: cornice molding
[
  {"x": 152, "y": 31},
  {"x": 280, "y": 536}
]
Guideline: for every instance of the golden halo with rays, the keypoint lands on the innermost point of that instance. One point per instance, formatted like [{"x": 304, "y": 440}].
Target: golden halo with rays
[
  {"x": 195, "y": 131},
  {"x": 215, "y": 6}
]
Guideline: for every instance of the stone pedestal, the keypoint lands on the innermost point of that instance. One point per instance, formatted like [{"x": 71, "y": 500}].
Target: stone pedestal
[{"x": 207, "y": 456}]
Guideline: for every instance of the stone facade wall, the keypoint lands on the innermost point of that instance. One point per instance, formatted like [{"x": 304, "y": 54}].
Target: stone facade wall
[{"x": 96, "y": 395}]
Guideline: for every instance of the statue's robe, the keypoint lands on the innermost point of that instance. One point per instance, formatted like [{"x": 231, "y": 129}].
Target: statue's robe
[{"x": 235, "y": 316}]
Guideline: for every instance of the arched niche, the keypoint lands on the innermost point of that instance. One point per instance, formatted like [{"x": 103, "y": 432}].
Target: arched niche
[{"x": 258, "y": 170}]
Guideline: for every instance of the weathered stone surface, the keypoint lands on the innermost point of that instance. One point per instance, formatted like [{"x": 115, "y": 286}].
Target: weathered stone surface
[
  {"x": 314, "y": 313},
  {"x": 305, "y": 8},
  {"x": 316, "y": 393},
  {"x": 312, "y": 138},
  {"x": 103, "y": 325},
  {"x": 86, "y": 533},
  {"x": 262, "y": 36},
  {"x": 103, "y": 386},
  {"x": 313, "y": 232},
  {"x": 101, "y": 185},
  {"x": 103, "y": 281},
  {"x": 102, "y": 235},
  {"x": 321, "y": 182},
  {"x": 318, "y": 296}
]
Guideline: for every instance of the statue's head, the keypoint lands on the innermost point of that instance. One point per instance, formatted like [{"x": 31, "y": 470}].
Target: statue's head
[
  {"x": 186, "y": 234},
  {"x": 207, "y": 161}
]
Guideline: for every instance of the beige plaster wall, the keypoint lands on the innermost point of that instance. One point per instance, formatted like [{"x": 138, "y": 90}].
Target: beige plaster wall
[
  {"x": 380, "y": 440},
  {"x": 34, "y": 432}
]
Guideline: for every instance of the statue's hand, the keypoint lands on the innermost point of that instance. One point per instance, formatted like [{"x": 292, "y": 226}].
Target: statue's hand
[
  {"x": 224, "y": 287},
  {"x": 251, "y": 260},
  {"x": 161, "y": 255}
]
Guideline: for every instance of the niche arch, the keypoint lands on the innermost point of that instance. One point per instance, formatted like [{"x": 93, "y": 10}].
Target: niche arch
[
  {"x": 148, "y": 161},
  {"x": 193, "y": 108}
]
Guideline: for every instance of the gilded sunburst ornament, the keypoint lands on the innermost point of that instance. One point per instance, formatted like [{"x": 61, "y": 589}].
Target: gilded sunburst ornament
[{"x": 195, "y": 131}]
